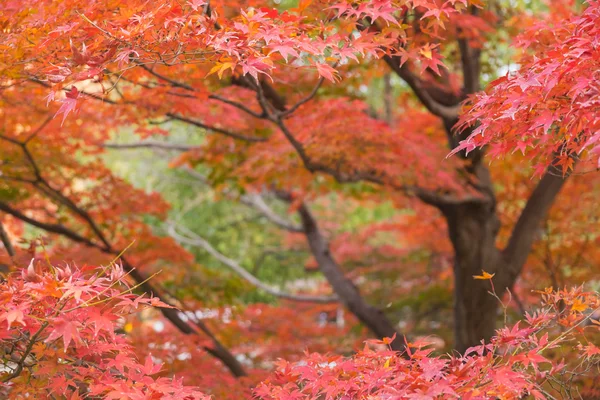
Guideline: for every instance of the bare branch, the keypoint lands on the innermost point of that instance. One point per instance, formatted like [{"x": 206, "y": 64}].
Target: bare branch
[
  {"x": 215, "y": 129},
  {"x": 305, "y": 100},
  {"x": 150, "y": 145},
  {"x": 166, "y": 79},
  {"x": 49, "y": 227},
  {"x": 6, "y": 241},
  {"x": 194, "y": 239},
  {"x": 237, "y": 105},
  {"x": 536, "y": 209},
  {"x": 348, "y": 293},
  {"x": 436, "y": 108},
  {"x": 258, "y": 203},
  {"x": 470, "y": 62}
]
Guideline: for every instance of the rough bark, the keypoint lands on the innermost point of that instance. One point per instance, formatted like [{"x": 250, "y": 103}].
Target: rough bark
[{"x": 473, "y": 229}]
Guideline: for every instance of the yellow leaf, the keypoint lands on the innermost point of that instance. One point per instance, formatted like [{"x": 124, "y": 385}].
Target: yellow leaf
[
  {"x": 427, "y": 53},
  {"x": 214, "y": 69},
  {"x": 387, "y": 362},
  {"x": 128, "y": 327},
  {"x": 220, "y": 67},
  {"x": 224, "y": 67},
  {"x": 484, "y": 275},
  {"x": 579, "y": 305}
]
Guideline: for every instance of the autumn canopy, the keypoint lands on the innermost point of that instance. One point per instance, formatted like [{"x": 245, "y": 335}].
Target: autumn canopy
[{"x": 299, "y": 199}]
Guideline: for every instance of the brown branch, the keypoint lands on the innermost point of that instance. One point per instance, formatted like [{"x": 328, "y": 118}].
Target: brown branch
[
  {"x": 536, "y": 209},
  {"x": 171, "y": 314},
  {"x": 427, "y": 196},
  {"x": 91, "y": 95},
  {"x": 237, "y": 105},
  {"x": 448, "y": 113},
  {"x": 470, "y": 59},
  {"x": 49, "y": 227},
  {"x": 6, "y": 241},
  {"x": 470, "y": 66},
  {"x": 215, "y": 129},
  {"x": 43, "y": 185},
  {"x": 305, "y": 100},
  {"x": 348, "y": 293},
  {"x": 20, "y": 364},
  {"x": 274, "y": 98},
  {"x": 173, "y": 82}
]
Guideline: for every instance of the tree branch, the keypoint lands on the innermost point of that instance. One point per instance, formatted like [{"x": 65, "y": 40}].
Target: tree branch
[
  {"x": 237, "y": 105},
  {"x": 172, "y": 82},
  {"x": 150, "y": 144},
  {"x": 448, "y": 113},
  {"x": 257, "y": 202},
  {"x": 215, "y": 129},
  {"x": 6, "y": 241},
  {"x": 469, "y": 57},
  {"x": 196, "y": 240},
  {"x": 348, "y": 293},
  {"x": 21, "y": 363},
  {"x": 536, "y": 209},
  {"x": 276, "y": 100},
  {"x": 427, "y": 196},
  {"x": 49, "y": 227},
  {"x": 305, "y": 100}
]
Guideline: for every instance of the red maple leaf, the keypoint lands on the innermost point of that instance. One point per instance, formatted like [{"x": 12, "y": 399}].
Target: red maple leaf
[{"x": 68, "y": 104}]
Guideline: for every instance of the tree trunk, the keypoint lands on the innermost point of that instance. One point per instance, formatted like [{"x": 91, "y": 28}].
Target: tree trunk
[{"x": 473, "y": 228}]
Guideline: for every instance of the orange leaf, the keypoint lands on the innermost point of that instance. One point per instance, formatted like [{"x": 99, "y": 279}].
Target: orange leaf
[
  {"x": 579, "y": 305},
  {"x": 484, "y": 275},
  {"x": 303, "y": 4}
]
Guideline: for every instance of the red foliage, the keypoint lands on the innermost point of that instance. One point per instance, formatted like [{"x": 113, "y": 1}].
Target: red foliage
[
  {"x": 547, "y": 109},
  {"x": 57, "y": 330},
  {"x": 514, "y": 364},
  {"x": 103, "y": 66}
]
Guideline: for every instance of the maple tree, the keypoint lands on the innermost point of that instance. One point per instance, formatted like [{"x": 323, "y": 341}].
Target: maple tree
[{"x": 281, "y": 100}]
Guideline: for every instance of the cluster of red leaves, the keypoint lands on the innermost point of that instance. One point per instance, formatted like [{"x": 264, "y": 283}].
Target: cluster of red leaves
[
  {"x": 548, "y": 109},
  {"x": 123, "y": 33},
  {"x": 57, "y": 332},
  {"x": 512, "y": 365},
  {"x": 258, "y": 335}
]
